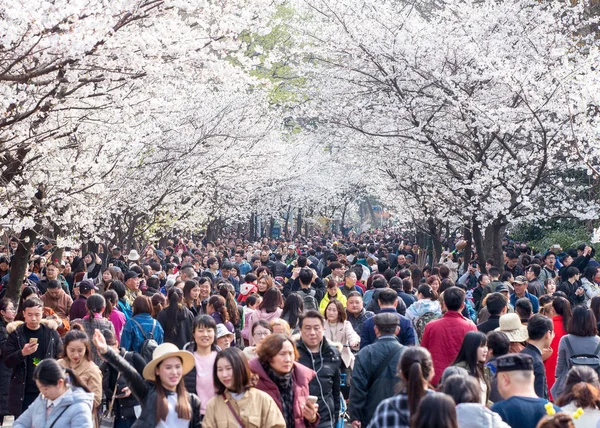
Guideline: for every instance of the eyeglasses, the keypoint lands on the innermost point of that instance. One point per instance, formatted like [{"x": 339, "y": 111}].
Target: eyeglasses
[{"x": 262, "y": 333}]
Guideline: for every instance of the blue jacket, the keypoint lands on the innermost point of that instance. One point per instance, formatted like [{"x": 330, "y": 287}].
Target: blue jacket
[
  {"x": 406, "y": 336},
  {"x": 73, "y": 410},
  {"x": 131, "y": 336},
  {"x": 535, "y": 303}
]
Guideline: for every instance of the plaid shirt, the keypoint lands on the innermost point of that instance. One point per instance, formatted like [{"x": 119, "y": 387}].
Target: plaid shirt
[{"x": 392, "y": 412}]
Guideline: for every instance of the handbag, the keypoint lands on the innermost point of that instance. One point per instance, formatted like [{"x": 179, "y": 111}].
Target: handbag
[
  {"x": 107, "y": 420},
  {"x": 235, "y": 415}
]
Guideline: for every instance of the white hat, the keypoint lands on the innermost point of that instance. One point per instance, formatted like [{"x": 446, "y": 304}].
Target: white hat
[
  {"x": 133, "y": 255},
  {"x": 164, "y": 351},
  {"x": 222, "y": 331},
  {"x": 510, "y": 324}
]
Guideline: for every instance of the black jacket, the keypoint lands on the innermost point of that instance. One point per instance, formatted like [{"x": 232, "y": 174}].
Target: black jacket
[
  {"x": 326, "y": 385},
  {"x": 145, "y": 392},
  {"x": 570, "y": 289},
  {"x": 539, "y": 371},
  {"x": 123, "y": 407},
  {"x": 14, "y": 359},
  {"x": 183, "y": 328},
  {"x": 4, "y": 371},
  {"x": 293, "y": 285},
  {"x": 491, "y": 324},
  {"x": 372, "y": 381}
]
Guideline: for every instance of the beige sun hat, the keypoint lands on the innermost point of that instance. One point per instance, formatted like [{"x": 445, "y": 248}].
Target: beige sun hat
[
  {"x": 164, "y": 351},
  {"x": 510, "y": 324}
]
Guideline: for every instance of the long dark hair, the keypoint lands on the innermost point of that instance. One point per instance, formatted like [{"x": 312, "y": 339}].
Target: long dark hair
[
  {"x": 183, "y": 407},
  {"x": 175, "y": 310},
  {"x": 27, "y": 291},
  {"x": 48, "y": 372},
  {"x": 204, "y": 321},
  {"x": 232, "y": 309},
  {"x": 581, "y": 387},
  {"x": 242, "y": 376},
  {"x": 562, "y": 307},
  {"x": 187, "y": 288},
  {"x": 219, "y": 304},
  {"x": 95, "y": 304},
  {"x": 472, "y": 341},
  {"x": 415, "y": 367},
  {"x": 272, "y": 300},
  {"x": 77, "y": 333},
  {"x": 436, "y": 410},
  {"x": 292, "y": 309}
]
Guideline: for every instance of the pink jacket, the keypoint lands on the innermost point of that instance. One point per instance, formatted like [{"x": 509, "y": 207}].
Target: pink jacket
[
  {"x": 302, "y": 377},
  {"x": 118, "y": 320},
  {"x": 443, "y": 338},
  {"x": 261, "y": 315}
]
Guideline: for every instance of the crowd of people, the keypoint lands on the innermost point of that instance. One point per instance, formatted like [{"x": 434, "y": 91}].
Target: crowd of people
[{"x": 315, "y": 332}]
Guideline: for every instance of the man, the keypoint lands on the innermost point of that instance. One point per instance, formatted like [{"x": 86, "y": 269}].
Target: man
[
  {"x": 549, "y": 270},
  {"x": 388, "y": 300},
  {"x": 267, "y": 262},
  {"x": 521, "y": 407},
  {"x": 79, "y": 308},
  {"x": 524, "y": 309},
  {"x": 572, "y": 287},
  {"x": 374, "y": 377},
  {"x": 316, "y": 353},
  {"x": 400, "y": 263},
  {"x": 27, "y": 344},
  {"x": 117, "y": 260},
  {"x": 52, "y": 274},
  {"x": 226, "y": 274},
  {"x": 132, "y": 286},
  {"x": 279, "y": 268},
  {"x": 512, "y": 265},
  {"x": 535, "y": 286},
  {"x": 443, "y": 337},
  {"x": 541, "y": 333},
  {"x": 355, "y": 312},
  {"x": 44, "y": 249},
  {"x": 471, "y": 277},
  {"x": 291, "y": 254},
  {"x": 57, "y": 300},
  {"x": 495, "y": 280},
  {"x": 242, "y": 263},
  {"x": 349, "y": 285},
  {"x": 496, "y": 306},
  {"x": 520, "y": 285},
  {"x": 310, "y": 295},
  {"x": 187, "y": 273},
  {"x": 406, "y": 293},
  {"x": 337, "y": 273}
]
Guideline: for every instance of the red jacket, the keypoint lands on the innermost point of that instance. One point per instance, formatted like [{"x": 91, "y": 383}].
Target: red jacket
[
  {"x": 443, "y": 338},
  {"x": 302, "y": 377},
  {"x": 550, "y": 363}
]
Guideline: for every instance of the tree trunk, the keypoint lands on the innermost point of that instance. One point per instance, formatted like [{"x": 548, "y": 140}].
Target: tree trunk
[
  {"x": 493, "y": 242},
  {"x": 18, "y": 265},
  {"x": 467, "y": 254},
  {"x": 436, "y": 239},
  {"x": 299, "y": 222},
  {"x": 478, "y": 238}
]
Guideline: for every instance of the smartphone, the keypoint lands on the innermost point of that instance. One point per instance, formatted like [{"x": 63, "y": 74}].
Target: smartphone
[
  {"x": 312, "y": 399},
  {"x": 33, "y": 340}
]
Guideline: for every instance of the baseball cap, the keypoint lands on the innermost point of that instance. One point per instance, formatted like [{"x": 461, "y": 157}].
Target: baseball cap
[
  {"x": 514, "y": 362},
  {"x": 87, "y": 285},
  {"x": 131, "y": 274}
]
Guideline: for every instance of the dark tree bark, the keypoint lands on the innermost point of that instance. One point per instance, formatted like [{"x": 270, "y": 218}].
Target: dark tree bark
[
  {"x": 299, "y": 222},
  {"x": 469, "y": 238},
  {"x": 479, "y": 247},
  {"x": 435, "y": 234},
  {"x": 19, "y": 263}
]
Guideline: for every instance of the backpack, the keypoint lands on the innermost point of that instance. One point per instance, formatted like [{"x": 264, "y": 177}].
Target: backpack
[
  {"x": 149, "y": 344},
  {"x": 310, "y": 302},
  {"x": 590, "y": 360},
  {"x": 422, "y": 321}
]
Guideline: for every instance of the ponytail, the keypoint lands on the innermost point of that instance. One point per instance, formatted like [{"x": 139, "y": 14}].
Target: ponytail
[
  {"x": 427, "y": 292},
  {"x": 48, "y": 372},
  {"x": 415, "y": 367},
  {"x": 218, "y": 302},
  {"x": 175, "y": 297}
]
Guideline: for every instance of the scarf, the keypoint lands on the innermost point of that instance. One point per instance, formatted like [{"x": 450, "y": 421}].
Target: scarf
[{"x": 285, "y": 385}]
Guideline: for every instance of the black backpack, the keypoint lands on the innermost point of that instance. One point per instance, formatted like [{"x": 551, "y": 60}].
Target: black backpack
[
  {"x": 309, "y": 299},
  {"x": 149, "y": 344},
  {"x": 590, "y": 360}
]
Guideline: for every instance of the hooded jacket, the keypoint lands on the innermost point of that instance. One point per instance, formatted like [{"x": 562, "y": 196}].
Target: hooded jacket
[
  {"x": 326, "y": 385},
  {"x": 14, "y": 359},
  {"x": 74, "y": 410},
  {"x": 301, "y": 377},
  {"x": 473, "y": 415}
]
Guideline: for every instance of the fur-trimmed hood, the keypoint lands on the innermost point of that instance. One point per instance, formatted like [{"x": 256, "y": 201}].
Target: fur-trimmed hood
[{"x": 12, "y": 326}]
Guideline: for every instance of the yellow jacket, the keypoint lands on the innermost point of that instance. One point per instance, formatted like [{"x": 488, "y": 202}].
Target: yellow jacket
[
  {"x": 339, "y": 296},
  {"x": 255, "y": 409}
]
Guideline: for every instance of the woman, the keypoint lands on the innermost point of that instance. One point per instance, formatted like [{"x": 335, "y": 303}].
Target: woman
[
  {"x": 582, "y": 390},
  {"x": 268, "y": 310},
  {"x": 285, "y": 380},
  {"x": 108, "y": 276},
  {"x": 427, "y": 302},
  {"x": 415, "y": 369},
  {"x": 236, "y": 402},
  {"x": 333, "y": 292},
  {"x": 26, "y": 293},
  {"x": 113, "y": 383},
  {"x": 122, "y": 305},
  {"x": 224, "y": 337},
  {"x": 264, "y": 283},
  {"x": 92, "y": 264},
  {"x": 436, "y": 410},
  {"x": 7, "y": 315},
  {"x": 472, "y": 357},
  {"x": 191, "y": 293},
  {"x": 233, "y": 311},
  {"x": 116, "y": 317},
  {"x": 292, "y": 310},
  {"x": 77, "y": 356},
  {"x": 203, "y": 346},
  {"x": 338, "y": 330},
  {"x": 581, "y": 339},
  {"x": 205, "y": 285},
  {"x": 159, "y": 301},
  {"x": 176, "y": 319},
  {"x": 217, "y": 308},
  {"x": 61, "y": 386},
  {"x": 163, "y": 397},
  {"x": 590, "y": 284},
  {"x": 280, "y": 326},
  {"x": 562, "y": 315},
  {"x": 141, "y": 326},
  {"x": 434, "y": 282},
  {"x": 252, "y": 303},
  {"x": 466, "y": 393},
  {"x": 259, "y": 331},
  {"x": 95, "y": 305}
]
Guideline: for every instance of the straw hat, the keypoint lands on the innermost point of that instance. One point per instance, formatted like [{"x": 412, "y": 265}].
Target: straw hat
[
  {"x": 510, "y": 324},
  {"x": 164, "y": 351}
]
